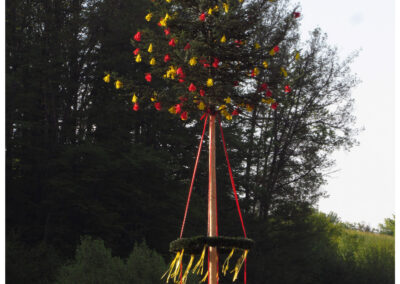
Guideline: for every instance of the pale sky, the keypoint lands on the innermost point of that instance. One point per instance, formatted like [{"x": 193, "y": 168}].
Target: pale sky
[{"x": 363, "y": 188}]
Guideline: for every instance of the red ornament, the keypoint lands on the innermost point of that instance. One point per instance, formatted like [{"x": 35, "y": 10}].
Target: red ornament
[
  {"x": 136, "y": 107},
  {"x": 206, "y": 65},
  {"x": 157, "y": 105},
  {"x": 274, "y": 105},
  {"x": 287, "y": 89},
  {"x": 236, "y": 112},
  {"x": 181, "y": 80},
  {"x": 172, "y": 42},
  {"x": 167, "y": 58},
  {"x": 138, "y": 36},
  {"x": 268, "y": 93},
  {"x": 184, "y": 115},
  {"x": 136, "y": 51},
  {"x": 187, "y": 47},
  {"x": 202, "y": 17},
  {"x": 192, "y": 88},
  {"x": 263, "y": 87},
  {"x": 276, "y": 48},
  {"x": 183, "y": 99},
  {"x": 179, "y": 71},
  {"x": 235, "y": 83},
  {"x": 253, "y": 73},
  {"x": 296, "y": 14},
  {"x": 148, "y": 77},
  {"x": 178, "y": 108},
  {"x": 215, "y": 63},
  {"x": 167, "y": 31},
  {"x": 202, "y": 93}
]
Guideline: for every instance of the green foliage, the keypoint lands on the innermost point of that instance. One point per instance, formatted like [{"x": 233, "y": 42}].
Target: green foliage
[
  {"x": 80, "y": 162},
  {"x": 144, "y": 265},
  {"x": 388, "y": 227},
  {"x": 94, "y": 263},
  {"x": 238, "y": 23},
  {"x": 30, "y": 264},
  {"x": 367, "y": 257}
]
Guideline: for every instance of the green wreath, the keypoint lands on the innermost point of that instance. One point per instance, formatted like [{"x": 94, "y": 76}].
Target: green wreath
[{"x": 195, "y": 245}]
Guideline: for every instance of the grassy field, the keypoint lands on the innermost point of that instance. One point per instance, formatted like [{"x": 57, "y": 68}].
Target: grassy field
[{"x": 369, "y": 256}]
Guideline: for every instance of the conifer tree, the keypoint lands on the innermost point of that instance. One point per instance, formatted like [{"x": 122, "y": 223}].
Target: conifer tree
[{"x": 207, "y": 54}]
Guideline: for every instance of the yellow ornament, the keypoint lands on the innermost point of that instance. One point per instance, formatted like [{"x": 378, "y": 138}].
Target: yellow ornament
[
  {"x": 153, "y": 61},
  {"x": 134, "y": 98},
  {"x": 168, "y": 1},
  {"x": 193, "y": 61},
  {"x": 228, "y": 117},
  {"x": 228, "y": 100},
  {"x": 163, "y": 22},
  {"x": 256, "y": 71},
  {"x": 249, "y": 108},
  {"x": 297, "y": 57},
  {"x": 223, "y": 39},
  {"x": 257, "y": 45},
  {"x": 149, "y": 16},
  {"x": 265, "y": 64},
  {"x": 210, "y": 11},
  {"x": 216, "y": 8},
  {"x": 272, "y": 52},
  {"x": 107, "y": 78},
  {"x": 283, "y": 72},
  {"x": 167, "y": 17},
  {"x": 118, "y": 84},
  {"x": 222, "y": 107},
  {"x": 241, "y": 1},
  {"x": 226, "y": 7},
  {"x": 210, "y": 82},
  {"x": 154, "y": 97},
  {"x": 172, "y": 110},
  {"x": 171, "y": 73},
  {"x": 150, "y": 50},
  {"x": 138, "y": 58},
  {"x": 268, "y": 100},
  {"x": 201, "y": 106}
]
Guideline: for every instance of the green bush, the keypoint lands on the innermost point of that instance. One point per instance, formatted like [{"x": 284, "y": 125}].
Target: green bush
[
  {"x": 144, "y": 266},
  {"x": 30, "y": 264},
  {"x": 369, "y": 257},
  {"x": 94, "y": 264}
]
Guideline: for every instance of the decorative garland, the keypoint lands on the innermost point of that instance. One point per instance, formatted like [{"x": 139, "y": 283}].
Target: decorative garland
[
  {"x": 199, "y": 245},
  {"x": 195, "y": 245}
]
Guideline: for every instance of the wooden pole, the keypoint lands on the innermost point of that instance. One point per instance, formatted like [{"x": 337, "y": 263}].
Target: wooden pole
[{"x": 212, "y": 204}]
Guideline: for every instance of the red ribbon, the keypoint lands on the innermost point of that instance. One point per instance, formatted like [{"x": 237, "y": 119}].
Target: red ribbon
[{"x": 193, "y": 177}]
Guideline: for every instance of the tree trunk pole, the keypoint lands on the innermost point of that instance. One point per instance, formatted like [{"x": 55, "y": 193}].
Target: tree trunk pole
[{"x": 212, "y": 205}]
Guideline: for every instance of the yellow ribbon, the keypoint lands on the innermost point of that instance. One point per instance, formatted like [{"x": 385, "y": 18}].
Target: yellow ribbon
[
  {"x": 198, "y": 268},
  {"x": 225, "y": 266},
  {"x": 177, "y": 266},
  {"x": 185, "y": 275},
  {"x": 205, "y": 277},
  {"x": 169, "y": 271},
  {"x": 238, "y": 265}
]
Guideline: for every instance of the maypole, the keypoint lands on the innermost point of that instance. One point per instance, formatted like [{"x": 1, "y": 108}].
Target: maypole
[
  {"x": 203, "y": 60},
  {"x": 212, "y": 204}
]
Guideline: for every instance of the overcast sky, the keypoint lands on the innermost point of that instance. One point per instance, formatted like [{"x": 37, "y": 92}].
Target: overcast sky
[{"x": 363, "y": 189}]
